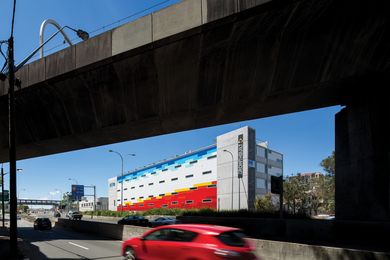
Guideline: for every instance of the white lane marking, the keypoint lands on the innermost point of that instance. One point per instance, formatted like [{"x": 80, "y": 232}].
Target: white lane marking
[{"x": 86, "y": 248}]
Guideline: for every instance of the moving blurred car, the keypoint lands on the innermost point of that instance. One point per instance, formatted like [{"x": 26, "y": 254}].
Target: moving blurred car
[
  {"x": 190, "y": 241},
  {"x": 134, "y": 220},
  {"x": 42, "y": 223},
  {"x": 162, "y": 221},
  {"x": 74, "y": 215}
]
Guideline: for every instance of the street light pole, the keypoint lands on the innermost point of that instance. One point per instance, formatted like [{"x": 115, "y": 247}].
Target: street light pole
[
  {"x": 12, "y": 130},
  {"x": 12, "y": 149},
  {"x": 2, "y": 195},
  {"x": 226, "y": 151},
  {"x": 112, "y": 151}
]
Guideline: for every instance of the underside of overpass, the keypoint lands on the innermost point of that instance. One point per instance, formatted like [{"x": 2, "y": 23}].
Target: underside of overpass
[{"x": 239, "y": 60}]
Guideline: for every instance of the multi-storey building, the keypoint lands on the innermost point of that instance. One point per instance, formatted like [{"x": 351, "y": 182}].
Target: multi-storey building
[
  {"x": 88, "y": 204},
  {"x": 226, "y": 175}
]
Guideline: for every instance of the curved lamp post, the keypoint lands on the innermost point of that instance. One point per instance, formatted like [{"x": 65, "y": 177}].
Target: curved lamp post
[
  {"x": 80, "y": 33},
  {"x": 226, "y": 151},
  {"x": 120, "y": 155},
  {"x": 10, "y": 74}
]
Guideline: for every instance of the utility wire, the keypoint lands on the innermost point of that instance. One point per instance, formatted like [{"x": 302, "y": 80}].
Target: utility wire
[{"x": 108, "y": 25}]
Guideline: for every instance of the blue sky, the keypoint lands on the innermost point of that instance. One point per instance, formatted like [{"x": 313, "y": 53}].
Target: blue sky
[{"x": 304, "y": 138}]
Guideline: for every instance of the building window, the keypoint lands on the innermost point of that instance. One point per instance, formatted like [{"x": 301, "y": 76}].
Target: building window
[
  {"x": 165, "y": 170},
  {"x": 174, "y": 202},
  {"x": 141, "y": 197},
  {"x": 193, "y": 188},
  {"x": 189, "y": 201},
  {"x": 150, "y": 184},
  {"x": 162, "y": 194},
  {"x": 118, "y": 190},
  {"x": 118, "y": 200},
  {"x": 141, "y": 205},
  {"x": 212, "y": 186},
  {"x": 112, "y": 184},
  {"x": 174, "y": 179},
  {"x": 125, "y": 189},
  {"x": 174, "y": 193},
  {"x": 211, "y": 157},
  {"x": 132, "y": 187},
  {"x": 193, "y": 162},
  {"x": 127, "y": 180},
  {"x": 177, "y": 166},
  {"x": 150, "y": 204},
  {"x": 207, "y": 201},
  {"x": 207, "y": 172},
  {"x": 164, "y": 205},
  {"x": 260, "y": 183},
  {"x": 125, "y": 199},
  {"x": 153, "y": 173},
  {"x": 133, "y": 198},
  {"x": 141, "y": 186},
  {"x": 150, "y": 196},
  {"x": 260, "y": 167},
  {"x": 161, "y": 181},
  {"x": 189, "y": 176}
]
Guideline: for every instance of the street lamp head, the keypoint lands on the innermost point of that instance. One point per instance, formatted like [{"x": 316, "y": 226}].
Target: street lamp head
[{"x": 82, "y": 34}]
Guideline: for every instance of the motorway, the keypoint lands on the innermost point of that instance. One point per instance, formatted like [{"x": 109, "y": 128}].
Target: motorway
[{"x": 62, "y": 244}]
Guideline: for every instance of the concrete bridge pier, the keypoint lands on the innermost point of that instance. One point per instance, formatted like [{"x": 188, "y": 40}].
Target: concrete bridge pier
[{"x": 363, "y": 158}]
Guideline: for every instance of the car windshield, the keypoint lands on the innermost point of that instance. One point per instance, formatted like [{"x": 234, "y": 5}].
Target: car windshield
[{"x": 232, "y": 238}]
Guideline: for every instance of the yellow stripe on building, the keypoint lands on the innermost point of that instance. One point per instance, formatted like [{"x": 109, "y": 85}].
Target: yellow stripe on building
[
  {"x": 181, "y": 190},
  {"x": 203, "y": 184}
]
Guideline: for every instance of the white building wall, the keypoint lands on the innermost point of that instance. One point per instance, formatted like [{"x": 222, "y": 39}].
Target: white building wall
[
  {"x": 112, "y": 193},
  {"x": 228, "y": 187}
]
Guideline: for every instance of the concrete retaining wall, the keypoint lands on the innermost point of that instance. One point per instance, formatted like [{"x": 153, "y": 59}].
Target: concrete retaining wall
[
  {"x": 109, "y": 230},
  {"x": 266, "y": 249}
]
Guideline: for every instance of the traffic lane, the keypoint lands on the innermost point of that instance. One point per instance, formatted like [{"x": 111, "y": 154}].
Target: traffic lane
[
  {"x": 59, "y": 243},
  {"x": 99, "y": 220}
]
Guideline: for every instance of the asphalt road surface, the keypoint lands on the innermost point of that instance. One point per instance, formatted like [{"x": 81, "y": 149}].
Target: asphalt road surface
[{"x": 63, "y": 244}]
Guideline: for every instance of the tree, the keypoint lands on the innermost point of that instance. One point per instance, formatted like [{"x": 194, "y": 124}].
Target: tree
[
  {"x": 294, "y": 193},
  {"x": 264, "y": 203},
  {"x": 328, "y": 164}
]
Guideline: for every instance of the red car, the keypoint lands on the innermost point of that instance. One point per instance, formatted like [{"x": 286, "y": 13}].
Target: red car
[{"x": 190, "y": 241}]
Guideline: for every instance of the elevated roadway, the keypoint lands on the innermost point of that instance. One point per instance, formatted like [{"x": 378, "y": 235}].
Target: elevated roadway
[{"x": 205, "y": 63}]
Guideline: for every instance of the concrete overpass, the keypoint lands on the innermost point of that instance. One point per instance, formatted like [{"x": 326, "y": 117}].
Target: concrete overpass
[
  {"x": 211, "y": 62},
  {"x": 38, "y": 202}
]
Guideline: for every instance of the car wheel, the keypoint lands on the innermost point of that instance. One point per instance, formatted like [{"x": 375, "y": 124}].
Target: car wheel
[{"x": 130, "y": 253}]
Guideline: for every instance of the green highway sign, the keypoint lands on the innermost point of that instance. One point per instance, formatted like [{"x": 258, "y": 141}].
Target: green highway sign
[{"x": 6, "y": 195}]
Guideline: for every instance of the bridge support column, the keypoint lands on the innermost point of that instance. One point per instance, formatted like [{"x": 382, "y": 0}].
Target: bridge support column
[{"x": 363, "y": 160}]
